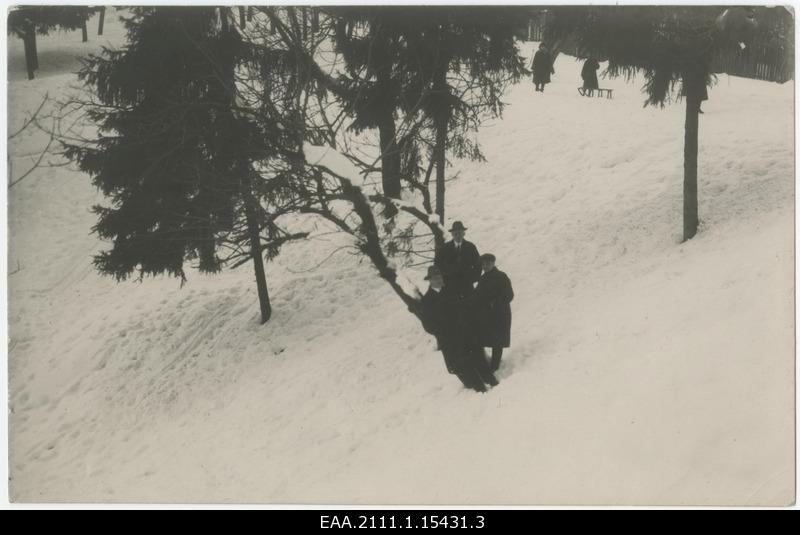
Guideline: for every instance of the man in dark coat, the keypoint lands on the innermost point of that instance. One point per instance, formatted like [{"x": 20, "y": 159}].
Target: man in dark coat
[
  {"x": 492, "y": 301},
  {"x": 459, "y": 262},
  {"x": 443, "y": 315},
  {"x": 438, "y": 316},
  {"x": 589, "y": 74},
  {"x": 542, "y": 67}
]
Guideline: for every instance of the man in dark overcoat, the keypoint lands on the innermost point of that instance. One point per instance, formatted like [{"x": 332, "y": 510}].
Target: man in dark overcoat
[
  {"x": 438, "y": 317},
  {"x": 459, "y": 262},
  {"x": 542, "y": 67},
  {"x": 443, "y": 316},
  {"x": 589, "y": 74},
  {"x": 492, "y": 304}
]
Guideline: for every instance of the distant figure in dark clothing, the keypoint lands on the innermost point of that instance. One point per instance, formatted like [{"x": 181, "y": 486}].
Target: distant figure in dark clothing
[
  {"x": 492, "y": 301},
  {"x": 589, "y": 74},
  {"x": 542, "y": 67},
  {"x": 444, "y": 316},
  {"x": 459, "y": 262}
]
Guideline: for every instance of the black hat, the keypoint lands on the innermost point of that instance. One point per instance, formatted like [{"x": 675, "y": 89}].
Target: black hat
[
  {"x": 432, "y": 272},
  {"x": 489, "y": 257},
  {"x": 457, "y": 225}
]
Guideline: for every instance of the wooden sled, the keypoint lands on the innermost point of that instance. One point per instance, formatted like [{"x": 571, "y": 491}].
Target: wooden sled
[{"x": 602, "y": 92}]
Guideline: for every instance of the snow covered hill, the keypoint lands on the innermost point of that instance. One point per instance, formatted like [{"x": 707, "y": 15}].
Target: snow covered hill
[{"x": 642, "y": 370}]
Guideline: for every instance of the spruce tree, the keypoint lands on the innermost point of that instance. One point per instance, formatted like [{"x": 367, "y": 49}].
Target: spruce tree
[
  {"x": 474, "y": 57},
  {"x": 27, "y": 21},
  {"x": 370, "y": 41},
  {"x": 673, "y": 47},
  {"x": 442, "y": 67},
  {"x": 391, "y": 59},
  {"x": 173, "y": 154}
]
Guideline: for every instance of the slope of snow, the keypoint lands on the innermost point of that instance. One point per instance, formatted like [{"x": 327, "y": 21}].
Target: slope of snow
[{"x": 642, "y": 370}]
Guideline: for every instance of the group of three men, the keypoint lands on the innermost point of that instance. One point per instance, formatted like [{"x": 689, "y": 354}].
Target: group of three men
[{"x": 465, "y": 318}]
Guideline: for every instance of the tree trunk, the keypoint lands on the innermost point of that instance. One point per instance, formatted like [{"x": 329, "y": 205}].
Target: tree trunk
[
  {"x": 692, "y": 87},
  {"x": 84, "y": 32},
  {"x": 30, "y": 51},
  {"x": 35, "y": 50},
  {"x": 314, "y": 21},
  {"x": 371, "y": 246},
  {"x": 101, "y": 21},
  {"x": 390, "y": 156},
  {"x": 249, "y": 14},
  {"x": 440, "y": 91},
  {"x": 251, "y": 214},
  {"x": 441, "y": 141},
  {"x": 242, "y": 17}
]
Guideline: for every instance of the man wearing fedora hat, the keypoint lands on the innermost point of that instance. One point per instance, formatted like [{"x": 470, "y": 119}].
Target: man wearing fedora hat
[
  {"x": 437, "y": 318},
  {"x": 459, "y": 262},
  {"x": 492, "y": 301}
]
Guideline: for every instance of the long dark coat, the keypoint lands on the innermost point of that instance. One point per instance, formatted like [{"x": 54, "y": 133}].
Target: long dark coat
[
  {"x": 492, "y": 305},
  {"x": 542, "y": 67},
  {"x": 589, "y": 74},
  {"x": 447, "y": 317},
  {"x": 436, "y": 312},
  {"x": 460, "y": 269},
  {"x": 442, "y": 317}
]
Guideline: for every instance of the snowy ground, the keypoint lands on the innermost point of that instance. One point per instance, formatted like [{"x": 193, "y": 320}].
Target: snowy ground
[{"x": 642, "y": 370}]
